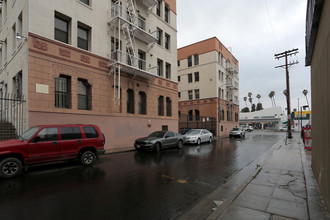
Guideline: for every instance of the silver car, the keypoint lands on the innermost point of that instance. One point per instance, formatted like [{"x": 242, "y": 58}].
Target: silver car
[
  {"x": 197, "y": 136},
  {"x": 239, "y": 132}
]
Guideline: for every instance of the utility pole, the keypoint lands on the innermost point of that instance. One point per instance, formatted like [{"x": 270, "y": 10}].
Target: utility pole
[{"x": 287, "y": 65}]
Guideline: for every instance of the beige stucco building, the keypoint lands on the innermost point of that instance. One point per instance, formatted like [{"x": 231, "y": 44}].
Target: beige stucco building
[
  {"x": 110, "y": 63},
  {"x": 208, "y": 86},
  {"x": 318, "y": 57}
]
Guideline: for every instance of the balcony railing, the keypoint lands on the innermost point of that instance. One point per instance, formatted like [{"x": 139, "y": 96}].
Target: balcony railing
[{"x": 231, "y": 67}]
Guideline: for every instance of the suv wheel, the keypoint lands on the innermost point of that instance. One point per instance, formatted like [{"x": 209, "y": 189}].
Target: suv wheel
[
  {"x": 87, "y": 158},
  {"x": 10, "y": 167}
]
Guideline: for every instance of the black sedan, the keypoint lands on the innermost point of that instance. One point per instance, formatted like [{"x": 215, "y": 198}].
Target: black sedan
[{"x": 159, "y": 140}]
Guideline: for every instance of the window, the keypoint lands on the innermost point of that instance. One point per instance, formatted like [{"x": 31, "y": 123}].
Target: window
[
  {"x": 179, "y": 94},
  {"x": 83, "y": 37},
  {"x": 161, "y": 105},
  {"x": 189, "y": 61},
  {"x": 220, "y": 59},
  {"x": 160, "y": 67},
  {"x": 178, "y": 62},
  {"x": 190, "y": 115},
  {"x": 159, "y": 36},
  {"x": 190, "y": 94},
  {"x": 61, "y": 29},
  {"x": 219, "y": 75},
  {"x": 167, "y": 13},
  {"x": 130, "y": 101},
  {"x": 90, "y": 132},
  {"x": 85, "y": 1},
  {"x": 141, "y": 22},
  {"x": 196, "y": 93},
  {"x": 0, "y": 18},
  {"x": 189, "y": 77},
  {"x": 69, "y": 133},
  {"x": 14, "y": 37},
  {"x": 142, "y": 60},
  {"x": 84, "y": 94},
  {"x": 236, "y": 117},
  {"x": 196, "y": 59},
  {"x": 222, "y": 115},
  {"x": 197, "y": 115},
  {"x": 114, "y": 48},
  {"x": 47, "y": 134},
  {"x": 167, "y": 41},
  {"x": 4, "y": 47},
  {"x": 179, "y": 78},
  {"x": 20, "y": 24},
  {"x": 168, "y": 71},
  {"x": 63, "y": 91},
  {"x": 4, "y": 6},
  {"x": 196, "y": 76},
  {"x": 169, "y": 134},
  {"x": 158, "y": 5},
  {"x": 0, "y": 58},
  {"x": 17, "y": 84},
  {"x": 168, "y": 107},
  {"x": 142, "y": 103}
]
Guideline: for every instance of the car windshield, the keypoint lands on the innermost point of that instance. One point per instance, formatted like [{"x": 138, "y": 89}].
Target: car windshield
[
  {"x": 29, "y": 133},
  {"x": 194, "y": 132},
  {"x": 235, "y": 129},
  {"x": 158, "y": 134}
]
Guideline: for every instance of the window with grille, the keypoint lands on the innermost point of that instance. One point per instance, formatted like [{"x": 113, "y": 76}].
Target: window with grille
[
  {"x": 161, "y": 105},
  {"x": 130, "y": 101},
  {"x": 83, "y": 94},
  {"x": 63, "y": 91},
  {"x": 142, "y": 103},
  {"x": 168, "y": 106}
]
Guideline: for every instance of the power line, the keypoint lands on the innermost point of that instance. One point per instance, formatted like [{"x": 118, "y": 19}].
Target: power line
[{"x": 271, "y": 26}]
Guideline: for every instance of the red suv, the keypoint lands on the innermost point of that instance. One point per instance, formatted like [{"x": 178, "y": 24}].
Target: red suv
[{"x": 49, "y": 143}]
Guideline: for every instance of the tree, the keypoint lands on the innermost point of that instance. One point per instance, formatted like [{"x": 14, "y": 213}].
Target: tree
[
  {"x": 273, "y": 94},
  {"x": 253, "y": 108},
  {"x": 259, "y": 106},
  {"x": 246, "y": 109},
  {"x": 245, "y": 98},
  {"x": 271, "y": 98},
  {"x": 250, "y": 94},
  {"x": 258, "y": 97},
  {"x": 250, "y": 100},
  {"x": 305, "y": 92},
  {"x": 294, "y": 110}
]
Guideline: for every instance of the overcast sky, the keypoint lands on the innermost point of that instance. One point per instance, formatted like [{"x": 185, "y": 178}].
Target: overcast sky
[{"x": 255, "y": 30}]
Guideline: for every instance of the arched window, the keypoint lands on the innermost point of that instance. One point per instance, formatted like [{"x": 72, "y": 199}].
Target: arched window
[
  {"x": 161, "y": 105},
  {"x": 190, "y": 115},
  {"x": 130, "y": 101},
  {"x": 197, "y": 114},
  {"x": 142, "y": 103}
]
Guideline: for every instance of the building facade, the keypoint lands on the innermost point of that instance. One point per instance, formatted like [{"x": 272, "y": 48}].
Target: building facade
[
  {"x": 317, "y": 57},
  {"x": 109, "y": 63},
  {"x": 208, "y": 86}
]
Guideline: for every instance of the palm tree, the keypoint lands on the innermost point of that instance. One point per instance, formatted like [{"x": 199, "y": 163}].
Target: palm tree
[
  {"x": 284, "y": 92},
  {"x": 305, "y": 92},
  {"x": 245, "y": 98},
  {"x": 250, "y": 94},
  {"x": 258, "y": 97},
  {"x": 271, "y": 98},
  {"x": 250, "y": 100},
  {"x": 273, "y": 94}
]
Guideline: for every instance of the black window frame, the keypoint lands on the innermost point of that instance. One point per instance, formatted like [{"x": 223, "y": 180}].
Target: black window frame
[
  {"x": 190, "y": 79},
  {"x": 58, "y": 31},
  {"x": 196, "y": 59},
  {"x": 167, "y": 13},
  {"x": 167, "y": 70},
  {"x": 196, "y": 74},
  {"x": 159, "y": 36},
  {"x": 81, "y": 42},
  {"x": 167, "y": 41},
  {"x": 158, "y": 7},
  {"x": 189, "y": 61},
  {"x": 84, "y": 94}
]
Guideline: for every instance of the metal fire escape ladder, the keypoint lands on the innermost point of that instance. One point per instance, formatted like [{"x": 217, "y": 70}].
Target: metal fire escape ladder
[{"x": 129, "y": 34}]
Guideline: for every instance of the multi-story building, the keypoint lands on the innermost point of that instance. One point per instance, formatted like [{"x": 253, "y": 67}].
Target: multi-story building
[
  {"x": 208, "y": 87},
  {"x": 110, "y": 63},
  {"x": 317, "y": 57}
]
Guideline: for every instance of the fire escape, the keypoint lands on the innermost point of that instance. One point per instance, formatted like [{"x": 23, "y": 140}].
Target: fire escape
[
  {"x": 126, "y": 26},
  {"x": 232, "y": 84}
]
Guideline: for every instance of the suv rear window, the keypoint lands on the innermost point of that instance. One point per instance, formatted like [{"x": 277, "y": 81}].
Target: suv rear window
[
  {"x": 69, "y": 133},
  {"x": 90, "y": 132}
]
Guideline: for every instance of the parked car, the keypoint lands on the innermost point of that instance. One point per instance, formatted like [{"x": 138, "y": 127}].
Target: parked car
[
  {"x": 197, "y": 136},
  {"x": 49, "y": 143},
  {"x": 248, "y": 128},
  {"x": 159, "y": 140},
  {"x": 237, "y": 132}
]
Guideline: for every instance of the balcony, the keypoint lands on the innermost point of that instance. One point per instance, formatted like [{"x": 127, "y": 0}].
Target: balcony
[
  {"x": 132, "y": 65},
  {"x": 141, "y": 29},
  {"x": 148, "y": 3},
  {"x": 231, "y": 68}
]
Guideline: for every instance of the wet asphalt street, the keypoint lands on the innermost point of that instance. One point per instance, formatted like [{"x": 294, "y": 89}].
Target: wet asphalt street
[{"x": 131, "y": 185}]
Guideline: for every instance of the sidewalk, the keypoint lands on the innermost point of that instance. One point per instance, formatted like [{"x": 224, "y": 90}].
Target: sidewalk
[{"x": 281, "y": 187}]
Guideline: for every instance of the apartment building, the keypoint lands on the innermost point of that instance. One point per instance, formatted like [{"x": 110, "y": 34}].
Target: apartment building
[
  {"x": 317, "y": 57},
  {"x": 105, "y": 62},
  {"x": 208, "y": 87}
]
